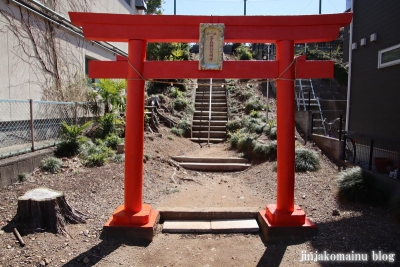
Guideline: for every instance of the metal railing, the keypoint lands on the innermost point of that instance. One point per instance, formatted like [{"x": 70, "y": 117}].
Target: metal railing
[
  {"x": 29, "y": 125},
  {"x": 209, "y": 113},
  {"x": 372, "y": 152}
]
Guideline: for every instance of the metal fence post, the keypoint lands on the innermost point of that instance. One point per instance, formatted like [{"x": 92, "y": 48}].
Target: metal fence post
[
  {"x": 340, "y": 127},
  {"x": 312, "y": 123},
  {"x": 76, "y": 113},
  {"x": 371, "y": 152},
  {"x": 31, "y": 124}
]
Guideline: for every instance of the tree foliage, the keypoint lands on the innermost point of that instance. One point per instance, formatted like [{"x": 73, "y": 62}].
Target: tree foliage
[
  {"x": 154, "y": 7},
  {"x": 110, "y": 92}
]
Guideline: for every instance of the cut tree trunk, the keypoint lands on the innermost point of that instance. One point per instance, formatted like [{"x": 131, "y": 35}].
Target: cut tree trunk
[{"x": 46, "y": 209}]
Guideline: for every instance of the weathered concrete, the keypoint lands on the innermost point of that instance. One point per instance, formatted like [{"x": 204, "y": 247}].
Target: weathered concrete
[
  {"x": 212, "y": 164},
  {"x": 211, "y": 213},
  {"x": 11, "y": 167},
  {"x": 304, "y": 120},
  {"x": 332, "y": 147},
  {"x": 211, "y": 226}
]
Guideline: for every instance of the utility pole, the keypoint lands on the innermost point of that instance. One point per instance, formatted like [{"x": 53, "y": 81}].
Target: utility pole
[
  {"x": 245, "y": 7},
  {"x": 320, "y": 7},
  {"x": 175, "y": 7}
]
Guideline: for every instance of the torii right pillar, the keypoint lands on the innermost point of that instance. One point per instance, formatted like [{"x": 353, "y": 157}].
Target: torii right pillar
[{"x": 285, "y": 220}]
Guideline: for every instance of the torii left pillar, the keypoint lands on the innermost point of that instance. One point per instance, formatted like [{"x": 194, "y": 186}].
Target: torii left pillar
[{"x": 134, "y": 218}]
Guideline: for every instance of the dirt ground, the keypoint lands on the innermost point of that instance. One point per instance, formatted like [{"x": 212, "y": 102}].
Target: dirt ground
[{"x": 342, "y": 228}]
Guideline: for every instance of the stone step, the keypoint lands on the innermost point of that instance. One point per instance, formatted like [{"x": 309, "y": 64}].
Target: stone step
[
  {"x": 213, "y": 108},
  {"x": 214, "y": 167},
  {"x": 213, "y": 113},
  {"x": 216, "y": 88},
  {"x": 205, "y": 128},
  {"x": 213, "y": 134},
  {"x": 205, "y": 118},
  {"x": 209, "y": 160},
  {"x": 205, "y": 98},
  {"x": 205, "y": 140},
  {"x": 211, "y": 226},
  {"x": 213, "y": 104},
  {"x": 207, "y": 213},
  {"x": 213, "y": 123}
]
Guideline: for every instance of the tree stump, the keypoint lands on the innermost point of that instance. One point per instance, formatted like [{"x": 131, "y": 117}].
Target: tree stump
[{"x": 46, "y": 209}]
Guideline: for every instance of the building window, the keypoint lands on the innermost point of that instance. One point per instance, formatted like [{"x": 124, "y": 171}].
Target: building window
[
  {"x": 389, "y": 56},
  {"x": 90, "y": 80},
  {"x": 128, "y": 2}
]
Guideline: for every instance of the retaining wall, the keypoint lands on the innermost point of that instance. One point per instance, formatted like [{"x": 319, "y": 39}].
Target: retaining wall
[{"x": 26, "y": 163}]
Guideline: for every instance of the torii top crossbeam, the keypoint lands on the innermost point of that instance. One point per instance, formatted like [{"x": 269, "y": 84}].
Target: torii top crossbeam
[{"x": 171, "y": 28}]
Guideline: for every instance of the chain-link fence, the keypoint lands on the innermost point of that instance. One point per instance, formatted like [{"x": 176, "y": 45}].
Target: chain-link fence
[{"x": 29, "y": 125}]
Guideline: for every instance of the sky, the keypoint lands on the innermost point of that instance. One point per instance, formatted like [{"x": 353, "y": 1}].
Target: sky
[{"x": 253, "y": 7}]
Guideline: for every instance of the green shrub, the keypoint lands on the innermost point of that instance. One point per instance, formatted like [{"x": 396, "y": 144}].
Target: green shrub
[
  {"x": 96, "y": 154},
  {"x": 118, "y": 158},
  {"x": 359, "y": 185},
  {"x": 262, "y": 151},
  {"x": 174, "y": 92},
  {"x": 243, "y": 53},
  {"x": 272, "y": 134},
  {"x": 22, "y": 176},
  {"x": 96, "y": 160},
  {"x": 233, "y": 125},
  {"x": 306, "y": 160},
  {"x": 234, "y": 138},
  {"x": 254, "y": 104},
  {"x": 51, "y": 164},
  {"x": 71, "y": 136},
  {"x": 112, "y": 141},
  {"x": 395, "y": 206},
  {"x": 255, "y": 114},
  {"x": 179, "y": 104},
  {"x": 109, "y": 124},
  {"x": 246, "y": 143},
  {"x": 161, "y": 97},
  {"x": 185, "y": 126},
  {"x": 177, "y": 131},
  {"x": 181, "y": 85}
]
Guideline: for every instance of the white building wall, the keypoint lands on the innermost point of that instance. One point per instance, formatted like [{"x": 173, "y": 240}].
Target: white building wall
[{"x": 22, "y": 77}]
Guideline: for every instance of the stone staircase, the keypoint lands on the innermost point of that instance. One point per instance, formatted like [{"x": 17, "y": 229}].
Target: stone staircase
[
  {"x": 202, "y": 130},
  {"x": 212, "y": 164}
]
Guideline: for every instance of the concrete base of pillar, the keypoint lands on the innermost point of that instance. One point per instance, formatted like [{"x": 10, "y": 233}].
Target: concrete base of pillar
[
  {"x": 271, "y": 232},
  {"x": 131, "y": 232}
]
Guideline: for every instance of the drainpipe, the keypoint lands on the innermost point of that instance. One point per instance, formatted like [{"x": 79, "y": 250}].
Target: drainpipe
[{"x": 350, "y": 63}]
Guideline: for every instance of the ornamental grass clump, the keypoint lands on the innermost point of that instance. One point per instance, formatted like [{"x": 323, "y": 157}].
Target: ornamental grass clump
[
  {"x": 234, "y": 125},
  {"x": 362, "y": 186},
  {"x": 51, "y": 164},
  {"x": 306, "y": 160},
  {"x": 254, "y": 104}
]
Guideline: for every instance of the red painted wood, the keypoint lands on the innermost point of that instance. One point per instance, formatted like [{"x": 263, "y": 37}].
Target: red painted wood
[
  {"x": 285, "y": 126},
  {"x": 108, "y": 69},
  {"x": 189, "y": 69},
  {"x": 189, "y": 34},
  {"x": 164, "y": 28},
  {"x": 134, "y": 145}
]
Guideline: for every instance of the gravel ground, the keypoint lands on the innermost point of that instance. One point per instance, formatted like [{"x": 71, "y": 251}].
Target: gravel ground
[{"x": 342, "y": 227}]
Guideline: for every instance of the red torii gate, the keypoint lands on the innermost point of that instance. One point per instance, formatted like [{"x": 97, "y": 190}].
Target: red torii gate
[{"x": 137, "y": 30}]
